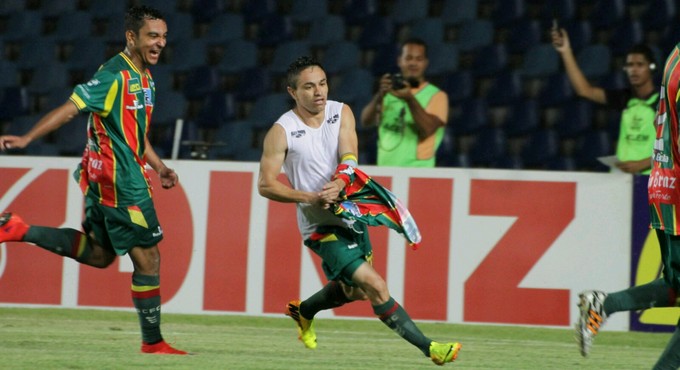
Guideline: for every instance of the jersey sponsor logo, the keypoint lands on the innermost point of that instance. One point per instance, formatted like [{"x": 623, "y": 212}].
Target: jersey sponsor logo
[
  {"x": 135, "y": 105},
  {"x": 661, "y": 181},
  {"x": 352, "y": 246},
  {"x": 332, "y": 120},
  {"x": 133, "y": 85},
  {"x": 658, "y": 144},
  {"x": 661, "y": 157},
  {"x": 157, "y": 233},
  {"x": 298, "y": 133},
  {"x": 147, "y": 98}
]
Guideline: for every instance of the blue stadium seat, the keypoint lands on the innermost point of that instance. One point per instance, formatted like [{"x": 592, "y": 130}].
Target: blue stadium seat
[
  {"x": 107, "y": 9},
  {"x": 556, "y": 90},
  {"x": 580, "y": 34},
  {"x": 305, "y": 11},
  {"x": 70, "y": 26},
  {"x": 8, "y": 7},
  {"x": 446, "y": 153},
  {"x": 72, "y": 136},
  {"x": 589, "y": 147},
  {"x": 286, "y": 53},
  {"x": 217, "y": 108},
  {"x": 326, "y": 30},
  {"x": 188, "y": 53},
  {"x": 540, "y": 61},
  {"x": 274, "y": 30},
  {"x": 268, "y": 108},
  {"x": 489, "y": 147},
  {"x": 541, "y": 146},
  {"x": 37, "y": 53},
  {"x": 407, "y": 11},
  {"x": 115, "y": 32},
  {"x": 508, "y": 162},
  {"x": 658, "y": 14},
  {"x": 201, "y": 81},
  {"x": 474, "y": 115},
  {"x": 561, "y": 163},
  {"x": 225, "y": 27},
  {"x": 576, "y": 118},
  {"x": 252, "y": 83},
  {"x": 506, "y": 88},
  {"x": 10, "y": 73},
  {"x": 607, "y": 14},
  {"x": 594, "y": 60},
  {"x": 237, "y": 137},
  {"x": 523, "y": 35},
  {"x": 180, "y": 26},
  {"x": 87, "y": 55},
  {"x": 430, "y": 29},
  {"x": 340, "y": 57},
  {"x": 166, "y": 7},
  {"x": 48, "y": 77},
  {"x": 523, "y": 118},
  {"x": 377, "y": 31},
  {"x": 459, "y": 86},
  {"x": 614, "y": 80},
  {"x": 508, "y": 12},
  {"x": 474, "y": 34},
  {"x": 205, "y": 11},
  {"x": 356, "y": 85},
  {"x": 624, "y": 36},
  {"x": 26, "y": 25},
  {"x": 14, "y": 102},
  {"x": 57, "y": 97},
  {"x": 57, "y": 8},
  {"x": 444, "y": 59},
  {"x": 459, "y": 11},
  {"x": 563, "y": 10},
  {"x": 490, "y": 60},
  {"x": 256, "y": 11},
  {"x": 239, "y": 55},
  {"x": 359, "y": 11},
  {"x": 169, "y": 106},
  {"x": 163, "y": 77}
]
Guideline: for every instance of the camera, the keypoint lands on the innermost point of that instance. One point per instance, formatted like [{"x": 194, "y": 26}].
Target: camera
[{"x": 398, "y": 81}]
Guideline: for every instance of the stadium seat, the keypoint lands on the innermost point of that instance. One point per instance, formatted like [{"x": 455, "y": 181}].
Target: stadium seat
[
  {"x": 563, "y": 10},
  {"x": 217, "y": 108},
  {"x": 407, "y": 11},
  {"x": 305, "y": 11},
  {"x": 57, "y": 8},
  {"x": 87, "y": 55},
  {"x": 201, "y": 81},
  {"x": 14, "y": 102},
  {"x": 188, "y": 53},
  {"x": 358, "y": 11},
  {"x": 594, "y": 60},
  {"x": 341, "y": 57},
  {"x": 286, "y": 53},
  {"x": 607, "y": 14},
  {"x": 9, "y": 7},
  {"x": 10, "y": 73},
  {"x": 236, "y": 135},
  {"x": 205, "y": 11},
  {"x": 165, "y": 6},
  {"x": 576, "y": 118},
  {"x": 507, "y": 12},
  {"x": 444, "y": 59},
  {"x": 540, "y": 61},
  {"x": 490, "y": 60},
  {"x": 474, "y": 34},
  {"x": 326, "y": 30},
  {"x": 658, "y": 14},
  {"x": 489, "y": 147},
  {"x": 385, "y": 59},
  {"x": 225, "y": 27},
  {"x": 180, "y": 26},
  {"x": 269, "y": 108},
  {"x": 25, "y": 25},
  {"x": 459, "y": 11},
  {"x": 163, "y": 77},
  {"x": 589, "y": 147},
  {"x": 274, "y": 30},
  {"x": 169, "y": 106},
  {"x": 523, "y": 118},
  {"x": 255, "y": 11},
  {"x": 377, "y": 31},
  {"x": 473, "y": 117},
  {"x": 71, "y": 26},
  {"x": 523, "y": 35},
  {"x": 561, "y": 163},
  {"x": 505, "y": 89},
  {"x": 430, "y": 29},
  {"x": 459, "y": 86},
  {"x": 541, "y": 146},
  {"x": 580, "y": 34},
  {"x": 47, "y": 78},
  {"x": 446, "y": 153},
  {"x": 239, "y": 55},
  {"x": 624, "y": 36},
  {"x": 72, "y": 137},
  {"x": 252, "y": 83},
  {"x": 356, "y": 85},
  {"x": 107, "y": 9},
  {"x": 37, "y": 53}
]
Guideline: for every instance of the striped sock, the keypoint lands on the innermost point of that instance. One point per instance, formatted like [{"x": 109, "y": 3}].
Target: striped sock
[
  {"x": 146, "y": 296},
  {"x": 64, "y": 242}
]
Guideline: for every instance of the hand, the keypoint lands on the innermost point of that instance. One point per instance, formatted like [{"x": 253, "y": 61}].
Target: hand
[
  {"x": 560, "y": 40},
  {"x": 330, "y": 193},
  {"x": 168, "y": 178},
  {"x": 385, "y": 84},
  {"x": 12, "y": 142},
  {"x": 633, "y": 166}
]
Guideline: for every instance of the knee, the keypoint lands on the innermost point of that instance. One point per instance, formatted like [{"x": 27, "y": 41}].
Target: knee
[{"x": 102, "y": 261}]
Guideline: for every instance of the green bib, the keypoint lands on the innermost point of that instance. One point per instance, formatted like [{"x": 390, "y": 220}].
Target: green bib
[{"x": 637, "y": 132}]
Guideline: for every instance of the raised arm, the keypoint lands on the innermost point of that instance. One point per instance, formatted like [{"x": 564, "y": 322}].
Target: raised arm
[{"x": 583, "y": 88}]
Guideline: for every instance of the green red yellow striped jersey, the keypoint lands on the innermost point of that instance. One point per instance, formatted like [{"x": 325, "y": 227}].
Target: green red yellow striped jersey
[
  {"x": 663, "y": 186},
  {"x": 120, "y": 100}
]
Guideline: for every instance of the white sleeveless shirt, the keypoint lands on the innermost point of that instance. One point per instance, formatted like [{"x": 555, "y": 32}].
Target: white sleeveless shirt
[{"x": 311, "y": 161}]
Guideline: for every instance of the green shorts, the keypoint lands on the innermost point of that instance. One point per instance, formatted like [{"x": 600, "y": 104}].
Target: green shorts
[
  {"x": 342, "y": 250},
  {"x": 122, "y": 228},
  {"x": 670, "y": 258}
]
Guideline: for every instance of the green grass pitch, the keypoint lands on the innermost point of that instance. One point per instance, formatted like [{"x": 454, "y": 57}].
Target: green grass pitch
[{"x": 39, "y": 338}]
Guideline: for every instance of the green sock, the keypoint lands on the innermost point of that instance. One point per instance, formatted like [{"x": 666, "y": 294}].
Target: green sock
[
  {"x": 654, "y": 294},
  {"x": 64, "y": 242},
  {"x": 146, "y": 296},
  {"x": 670, "y": 358},
  {"x": 396, "y": 318},
  {"x": 330, "y": 296}
]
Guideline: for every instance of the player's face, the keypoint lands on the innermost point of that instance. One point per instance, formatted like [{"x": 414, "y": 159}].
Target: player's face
[
  {"x": 311, "y": 90},
  {"x": 412, "y": 62},
  {"x": 147, "y": 46},
  {"x": 637, "y": 69}
]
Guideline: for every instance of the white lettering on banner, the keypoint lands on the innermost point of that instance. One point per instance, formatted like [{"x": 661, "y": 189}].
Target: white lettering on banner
[{"x": 479, "y": 240}]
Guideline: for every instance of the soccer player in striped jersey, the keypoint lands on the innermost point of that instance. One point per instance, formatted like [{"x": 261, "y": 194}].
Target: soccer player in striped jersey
[
  {"x": 120, "y": 217},
  {"x": 664, "y": 199}
]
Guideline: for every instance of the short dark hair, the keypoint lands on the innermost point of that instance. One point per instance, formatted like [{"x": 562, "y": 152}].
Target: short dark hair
[
  {"x": 298, "y": 66},
  {"x": 136, "y": 15},
  {"x": 644, "y": 50},
  {"x": 413, "y": 41}
]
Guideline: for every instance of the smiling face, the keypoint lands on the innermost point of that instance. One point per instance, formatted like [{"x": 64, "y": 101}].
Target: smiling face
[
  {"x": 145, "y": 47},
  {"x": 311, "y": 90}
]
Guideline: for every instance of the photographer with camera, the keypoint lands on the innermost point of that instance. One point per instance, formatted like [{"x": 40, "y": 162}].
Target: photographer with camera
[{"x": 410, "y": 112}]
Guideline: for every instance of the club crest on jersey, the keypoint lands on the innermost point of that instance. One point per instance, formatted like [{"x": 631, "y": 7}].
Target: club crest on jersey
[
  {"x": 332, "y": 120},
  {"x": 298, "y": 133},
  {"x": 133, "y": 85}
]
